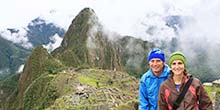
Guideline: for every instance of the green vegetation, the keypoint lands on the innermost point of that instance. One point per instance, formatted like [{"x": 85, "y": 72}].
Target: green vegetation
[
  {"x": 11, "y": 57},
  {"x": 91, "y": 95},
  {"x": 210, "y": 91},
  {"x": 131, "y": 105},
  {"x": 73, "y": 50},
  {"x": 10, "y": 83},
  {"x": 134, "y": 56},
  {"x": 87, "y": 80},
  {"x": 40, "y": 93},
  {"x": 9, "y": 87}
]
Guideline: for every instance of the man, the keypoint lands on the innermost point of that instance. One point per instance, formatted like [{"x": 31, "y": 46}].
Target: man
[{"x": 151, "y": 80}]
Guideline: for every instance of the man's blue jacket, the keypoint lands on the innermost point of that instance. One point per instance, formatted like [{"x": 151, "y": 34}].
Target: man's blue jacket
[{"x": 149, "y": 88}]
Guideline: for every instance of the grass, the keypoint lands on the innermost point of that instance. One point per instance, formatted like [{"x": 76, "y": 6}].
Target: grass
[
  {"x": 210, "y": 91},
  {"x": 88, "y": 80}
]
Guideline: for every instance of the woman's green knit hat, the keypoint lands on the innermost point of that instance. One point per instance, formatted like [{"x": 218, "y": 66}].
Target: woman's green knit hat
[{"x": 177, "y": 56}]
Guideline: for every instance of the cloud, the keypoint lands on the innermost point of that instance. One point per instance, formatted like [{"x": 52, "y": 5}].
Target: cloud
[
  {"x": 203, "y": 30},
  {"x": 121, "y": 16},
  {"x": 4, "y": 71},
  {"x": 143, "y": 18},
  {"x": 207, "y": 20},
  {"x": 17, "y": 37},
  {"x": 200, "y": 34},
  {"x": 20, "y": 69},
  {"x": 57, "y": 41}
]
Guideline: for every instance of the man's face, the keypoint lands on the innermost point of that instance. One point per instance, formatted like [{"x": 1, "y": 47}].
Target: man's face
[{"x": 156, "y": 66}]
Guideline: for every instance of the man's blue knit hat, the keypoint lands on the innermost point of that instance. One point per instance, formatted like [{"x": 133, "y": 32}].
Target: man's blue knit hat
[{"x": 156, "y": 53}]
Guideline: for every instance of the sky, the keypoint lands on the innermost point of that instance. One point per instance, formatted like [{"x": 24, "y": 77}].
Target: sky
[
  {"x": 126, "y": 17},
  {"x": 127, "y": 13}
]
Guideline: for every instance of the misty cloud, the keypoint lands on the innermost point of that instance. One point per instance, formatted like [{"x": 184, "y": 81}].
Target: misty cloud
[
  {"x": 20, "y": 69},
  {"x": 154, "y": 29},
  {"x": 17, "y": 37},
  {"x": 56, "y": 41},
  {"x": 4, "y": 71},
  {"x": 202, "y": 33}
]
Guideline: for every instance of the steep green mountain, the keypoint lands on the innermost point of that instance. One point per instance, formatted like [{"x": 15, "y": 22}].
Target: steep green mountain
[
  {"x": 38, "y": 63},
  {"x": 85, "y": 44},
  {"x": 11, "y": 57}
]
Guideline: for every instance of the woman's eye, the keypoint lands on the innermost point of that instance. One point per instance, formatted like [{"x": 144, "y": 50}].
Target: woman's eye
[{"x": 180, "y": 63}]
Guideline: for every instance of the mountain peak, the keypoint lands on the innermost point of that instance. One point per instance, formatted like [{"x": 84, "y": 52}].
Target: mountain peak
[
  {"x": 33, "y": 67},
  {"x": 40, "y": 31},
  {"x": 86, "y": 15},
  {"x": 80, "y": 25},
  {"x": 86, "y": 44},
  {"x": 39, "y": 63},
  {"x": 87, "y": 10},
  {"x": 37, "y": 21}
]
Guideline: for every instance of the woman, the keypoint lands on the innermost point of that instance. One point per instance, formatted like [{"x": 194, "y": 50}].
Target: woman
[{"x": 196, "y": 97}]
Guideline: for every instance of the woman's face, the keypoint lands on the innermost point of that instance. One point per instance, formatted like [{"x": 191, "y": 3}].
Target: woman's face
[{"x": 177, "y": 67}]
